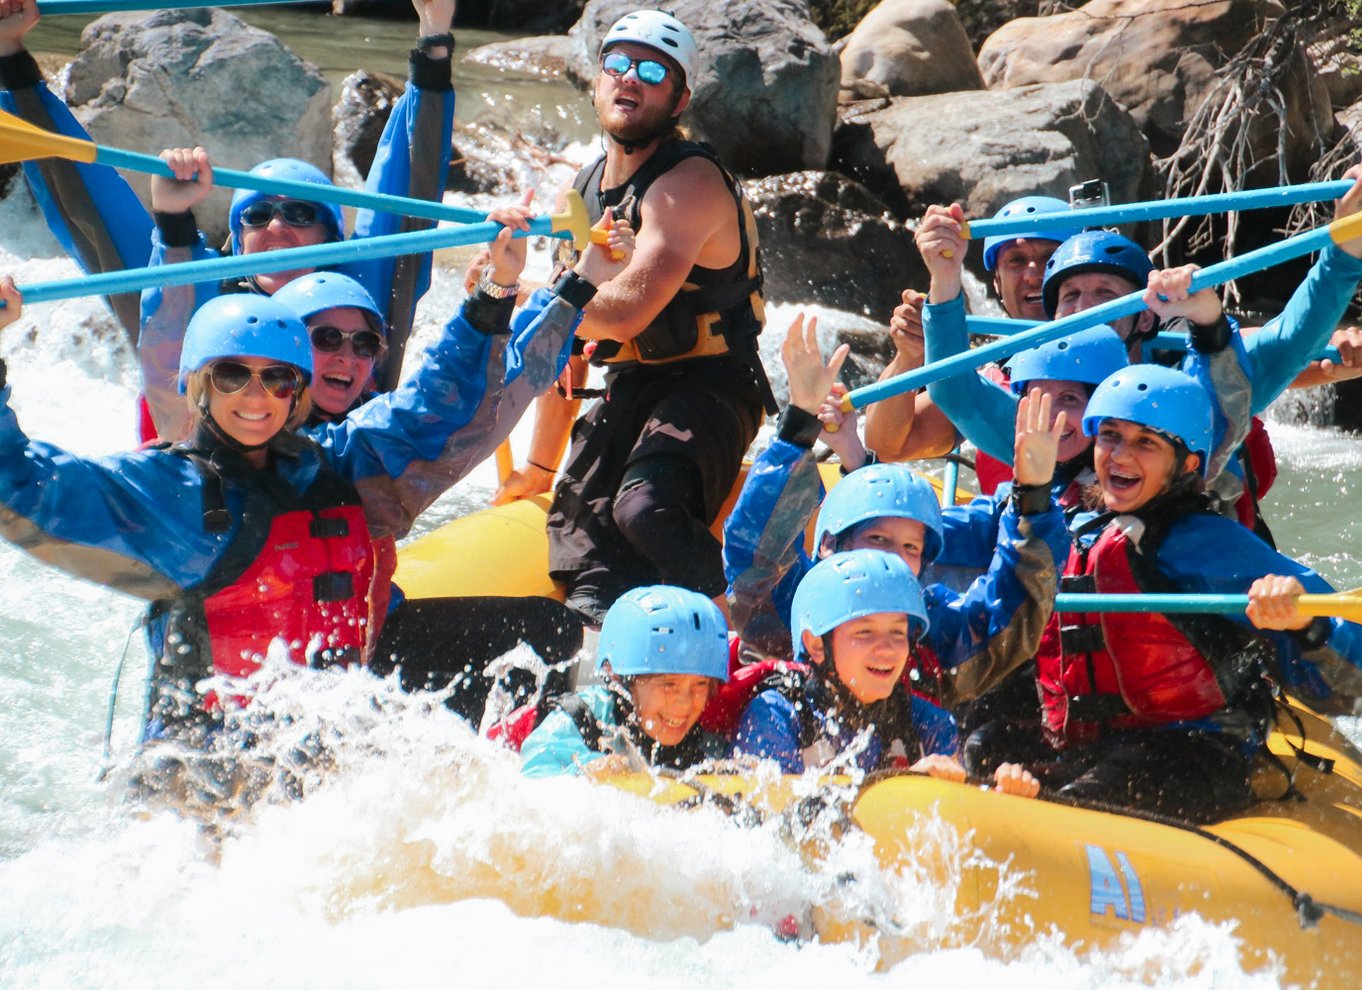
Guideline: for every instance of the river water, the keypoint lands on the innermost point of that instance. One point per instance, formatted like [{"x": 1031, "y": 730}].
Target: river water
[{"x": 422, "y": 858}]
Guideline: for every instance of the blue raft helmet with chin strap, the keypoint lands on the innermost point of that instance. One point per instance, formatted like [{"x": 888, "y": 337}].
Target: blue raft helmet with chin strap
[
  {"x": 876, "y": 491},
  {"x": 849, "y": 586},
  {"x": 244, "y": 325},
  {"x": 1094, "y": 251},
  {"x": 1162, "y": 399},
  {"x": 297, "y": 171},
  {"x": 311, "y": 294},
  {"x": 1023, "y": 207},
  {"x": 664, "y": 630},
  {"x": 1090, "y": 356}
]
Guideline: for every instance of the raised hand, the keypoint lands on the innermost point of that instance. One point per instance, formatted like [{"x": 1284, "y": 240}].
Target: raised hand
[
  {"x": 192, "y": 183},
  {"x": 905, "y": 329},
  {"x": 507, "y": 253},
  {"x": 1037, "y": 440},
  {"x": 1350, "y": 203},
  {"x": 17, "y": 18},
  {"x": 810, "y": 379},
  {"x": 941, "y": 241},
  {"x": 1168, "y": 295}
]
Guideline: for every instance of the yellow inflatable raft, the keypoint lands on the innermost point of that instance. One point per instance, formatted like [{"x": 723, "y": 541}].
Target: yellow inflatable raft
[{"x": 1287, "y": 873}]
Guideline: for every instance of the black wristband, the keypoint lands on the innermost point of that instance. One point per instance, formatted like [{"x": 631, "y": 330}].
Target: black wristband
[
  {"x": 488, "y": 315},
  {"x": 19, "y": 71},
  {"x": 4, "y": 372},
  {"x": 177, "y": 229},
  {"x": 429, "y": 41},
  {"x": 1031, "y": 500},
  {"x": 430, "y": 73},
  {"x": 799, "y": 427},
  {"x": 1211, "y": 339},
  {"x": 574, "y": 290},
  {"x": 1315, "y": 635}
]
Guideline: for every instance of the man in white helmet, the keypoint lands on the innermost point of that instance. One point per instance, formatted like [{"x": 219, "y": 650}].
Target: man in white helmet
[{"x": 651, "y": 464}]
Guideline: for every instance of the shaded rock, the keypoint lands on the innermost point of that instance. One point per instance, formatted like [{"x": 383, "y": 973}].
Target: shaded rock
[
  {"x": 998, "y": 145},
  {"x": 1338, "y": 68},
  {"x": 908, "y": 48},
  {"x": 358, "y": 118},
  {"x": 766, "y": 91},
  {"x": 545, "y": 57},
  {"x": 1157, "y": 58},
  {"x": 176, "y": 78},
  {"x": 826, "y": 239},
  {"x": 981, "y": 18},
  {"x": 528, "y": 16}
]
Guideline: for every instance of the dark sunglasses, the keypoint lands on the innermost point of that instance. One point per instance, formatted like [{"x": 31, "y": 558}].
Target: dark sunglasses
[
  {"x": 280, "y": 380},
  {"x": 296, "y": 212},
  {"x": 648, "y": 70},
  {"x": 365, "y": 343}
]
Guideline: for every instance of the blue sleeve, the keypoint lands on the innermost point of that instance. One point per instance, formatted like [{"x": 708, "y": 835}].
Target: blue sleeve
[
  {"x": 555, "y": 747},
  {"x": 984, "y": 412},
  {"x": 936, "y": 728},
  {"x": 1283, "y": 348},
  {"x": 1215, "y": 555},
  {"x": 405, "y": 448},
  {"x": 969, "y": 533},
  {"x": 132, "y": 522},
  {"x": 764, "y": 558},
  {"x": 412, "y": 160},
  {"x": 769, "y": 729},
  {"x": 982, "y": 635}
]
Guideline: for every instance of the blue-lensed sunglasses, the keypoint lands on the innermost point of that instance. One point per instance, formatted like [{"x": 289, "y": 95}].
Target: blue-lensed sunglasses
[{"x": 648, "y": 70}]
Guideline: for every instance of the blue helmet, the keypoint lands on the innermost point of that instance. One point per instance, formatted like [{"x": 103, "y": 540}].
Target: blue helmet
[
  {"x": 1094, "y": 251},
  {"x": 850, "y": 585},
  {"x": 284, "y": 168},
  {"x": 664, "y": 630},
  {"x": 1159, "y": 398},
  {"x": 309, "y": 295},
  {"x": 1021, "y": 207},
  {"x": 879, "y": 490},
  {"x": 244, "y": 325},
  {"x": 1090, "y": 356}
]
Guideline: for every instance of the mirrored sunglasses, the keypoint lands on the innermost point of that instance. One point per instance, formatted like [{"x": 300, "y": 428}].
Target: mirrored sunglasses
[
  {"x": 365, "y": 343},
  {"x": 648, "y": 70},
  {"x": 280, "y": 380},
  {"x": 295, "y": 212}
]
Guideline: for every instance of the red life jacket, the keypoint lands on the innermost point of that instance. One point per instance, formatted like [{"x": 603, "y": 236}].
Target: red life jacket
[
  {"x": 1118, "y": 671},
  {"x": 300, "y": 569}
]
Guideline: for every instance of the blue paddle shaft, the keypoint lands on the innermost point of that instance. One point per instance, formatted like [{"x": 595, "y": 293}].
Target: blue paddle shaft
[
  {"x": 1107, "y": 312},
  {"x": 1179, "y": 604},
  {"x": 311, "y": 191},
  {"x": 998, "y": 326},
  {"x": 289, "y": 259},
  {"x": 1191, "y": 206},
  {"x": 50, "y": 7}
]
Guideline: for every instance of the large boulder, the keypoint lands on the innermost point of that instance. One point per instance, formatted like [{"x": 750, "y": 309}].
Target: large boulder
[
  {"x": 1157, "y": 58},
  {"x": 908, "y": 48},
  {"x": 826, "y": 239},
  {"x": 987, "y": 147},
  {"x": 178, "y": 78},
  {"x": 545, "y": 57},
  {"x": 766, "y": 92},
  {"x": 358, "y": 118}
]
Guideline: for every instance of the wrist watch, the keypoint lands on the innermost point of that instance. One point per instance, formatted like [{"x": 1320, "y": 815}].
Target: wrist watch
[{"x": 489, "y": 288}]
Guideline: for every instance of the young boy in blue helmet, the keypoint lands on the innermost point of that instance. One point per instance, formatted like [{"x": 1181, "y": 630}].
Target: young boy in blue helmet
[
  {"x": 974, "y": 637},
  {"x": 854, "y": 617},
  {"x": 910, "y": 427},
  {"x": 663, "y": 650},
  {"x": 1165, "y": 712}
]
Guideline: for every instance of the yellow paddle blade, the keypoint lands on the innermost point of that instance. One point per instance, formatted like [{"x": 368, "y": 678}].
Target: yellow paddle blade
[
  {"x": 574, "y": 218},
  {"x": 20, "y": 141},
  {"x": 1344, "y": 604}
]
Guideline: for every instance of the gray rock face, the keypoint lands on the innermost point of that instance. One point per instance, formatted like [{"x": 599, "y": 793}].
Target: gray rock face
[
  {"x": 908, "y": 48},
  {"x": 178, "y": 78},
  {"x": 545, "y": 57},
  {"x": 985, "y": 148},
  {"x": 826, "y": 239},
  {"x": 1157, "y": 58},
  {"x": 766, "y": 91}
]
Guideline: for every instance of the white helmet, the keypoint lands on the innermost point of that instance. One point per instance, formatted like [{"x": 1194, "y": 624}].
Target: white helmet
[{"x": 660, "y": 31}]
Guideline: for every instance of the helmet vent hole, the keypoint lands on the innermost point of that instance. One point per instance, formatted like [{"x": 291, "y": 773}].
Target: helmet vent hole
[
  {"x": 695, "y": 618},
  {"x": 1063, "y": 345},
  {"x": 1142, "y": 387}
]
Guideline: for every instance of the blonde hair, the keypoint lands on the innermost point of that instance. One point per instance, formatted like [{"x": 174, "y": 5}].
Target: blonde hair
[{"x": 197, "y": 387}]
